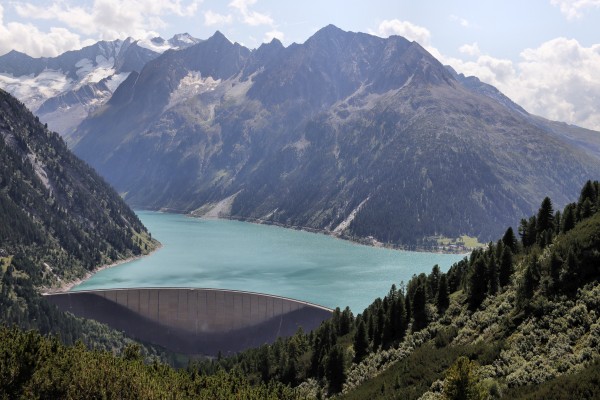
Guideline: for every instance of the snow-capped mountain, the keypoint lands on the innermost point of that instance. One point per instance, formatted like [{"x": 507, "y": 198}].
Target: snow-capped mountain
[
  {"x": 64, "y": 90},
  {"x": 177, "y": 42}
]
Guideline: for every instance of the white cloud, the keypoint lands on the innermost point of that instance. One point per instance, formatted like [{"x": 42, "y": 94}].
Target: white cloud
[
  {"x": 470, "y": 49},
  {"x": 212, "y": 18},
  {"x": 406, "y": 29},
  {"x": 29, "y": 39},
  {"x": 559, "y": 80},
  {"x": 461, "y": 21},
  {"x": 74, "y": 17},
  {"x": 564, "y": 77},
  {"x": 111, "y": 19},
  {"x": 573, "y": 9},
  {"x": 250, "y": 17},
  {"x": 254, "y": 18},
  {"x": 274, "y": 34}
]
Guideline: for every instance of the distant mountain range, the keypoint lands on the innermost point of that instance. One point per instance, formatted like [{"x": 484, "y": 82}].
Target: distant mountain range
[
  {"x": 63, "y": 90},
  {"x": 349, "y": 133}
]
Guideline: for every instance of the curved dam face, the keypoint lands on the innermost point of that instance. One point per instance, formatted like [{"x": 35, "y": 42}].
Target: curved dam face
[{"x": 194, "y": 321}]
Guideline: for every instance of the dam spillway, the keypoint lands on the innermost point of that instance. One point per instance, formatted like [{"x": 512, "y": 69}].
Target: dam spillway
[{"x": 194, "y": 321}]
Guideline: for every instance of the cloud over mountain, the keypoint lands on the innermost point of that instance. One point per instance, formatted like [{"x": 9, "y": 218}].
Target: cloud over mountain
[{"x": 560, "y": 79}]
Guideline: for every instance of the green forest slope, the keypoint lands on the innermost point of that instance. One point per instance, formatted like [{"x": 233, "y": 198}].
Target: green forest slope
[
  {"x": 58, "y": 221},
  {"x": 523, "y": 311},
  {"x": 54, "y": 207},
  {"x": 518, "y": 319}
]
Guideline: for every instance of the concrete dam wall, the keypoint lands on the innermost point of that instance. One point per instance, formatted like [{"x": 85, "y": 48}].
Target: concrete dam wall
[{"x": 194, "y": 321}]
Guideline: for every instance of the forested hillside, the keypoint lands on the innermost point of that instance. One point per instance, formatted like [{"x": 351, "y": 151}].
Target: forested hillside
[
  {"x": 32, "y": 366},
  {"x": 58, "y": 221},
  {"x": 518, "y": 319},
  {"x": 523, "y": 311},
  {"x": 54, "y": 207}
]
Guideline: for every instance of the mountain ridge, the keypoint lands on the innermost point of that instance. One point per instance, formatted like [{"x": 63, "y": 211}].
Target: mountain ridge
[
  {"x": 63, "y": 90},
  {"x": 302, "y": 135}
]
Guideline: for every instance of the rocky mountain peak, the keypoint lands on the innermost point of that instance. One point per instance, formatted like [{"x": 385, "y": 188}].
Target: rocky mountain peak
[
  {"x": 182, "y": 40},
  {"x": 218, "y": 37},
  {"x": 328, "y": 31}
]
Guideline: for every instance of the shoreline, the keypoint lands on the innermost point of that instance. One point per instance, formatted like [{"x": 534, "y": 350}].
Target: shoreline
[
  {"x": 372, "y": 242},
  {"x": 366, "y": 241},
  {"x": 66, "y": 286}
]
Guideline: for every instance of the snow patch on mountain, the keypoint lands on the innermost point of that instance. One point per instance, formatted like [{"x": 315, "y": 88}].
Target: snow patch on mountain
[
  {"x": 190, "y": 86},
  {"x": 90, "y": 72},
  {"x": 177, "y": 42},
  {"x": 34, "y": 90},
  {"x": 184, "y": 38},
  {"x": 158, "y": 46},
  {"x": 115, "y": 80}
]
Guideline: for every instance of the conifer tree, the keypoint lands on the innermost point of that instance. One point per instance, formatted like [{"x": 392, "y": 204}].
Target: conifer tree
[
  {"x": 361, "y": 342},
  {"x": 345, "y": 321},
  {"x": 492, "y": 274},
  {"x": 557, "y": 222},
  {"x": 371, "y": 329},
  {"x": 419, "y": 304},
  {"x": 461, "y": 381},
  {"x": 509, "y": 239},
  {"x": 528, "y": 231},
  {"x": 568, "y": 221},
  {"x": 433, "y": 281},
  {"x": 570, "y": 272},
  {"x": 335, "y": 369},
  {"x": 400, "y": 319},
  {"x": 529, "y": 282},
  {"x": 442, "y": 300},
  {"x": 506, "y": 267},
  {"x": 555, "y": 265},
  {"x": 586, "y": 209},
  {"x": 588, "y": 192},
  {"x": 477, "y": 283},
  {"x": 408, "y": 308},
  {"x": 378, "y": 334},
  {"x": 545, "y": 217}
]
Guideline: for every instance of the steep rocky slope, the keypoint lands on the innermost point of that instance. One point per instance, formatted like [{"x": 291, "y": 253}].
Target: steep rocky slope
[{"x": 347, "y": 132}]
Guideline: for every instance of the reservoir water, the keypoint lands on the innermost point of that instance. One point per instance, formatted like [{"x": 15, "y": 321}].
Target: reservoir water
[{"x": 238, "y": 255}]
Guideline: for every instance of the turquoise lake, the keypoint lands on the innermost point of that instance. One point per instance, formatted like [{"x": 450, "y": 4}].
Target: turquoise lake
[{"x": 238, "y": 255}]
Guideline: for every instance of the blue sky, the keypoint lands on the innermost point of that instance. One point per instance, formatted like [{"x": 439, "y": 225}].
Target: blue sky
[{"x": 544, "y": 54}]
